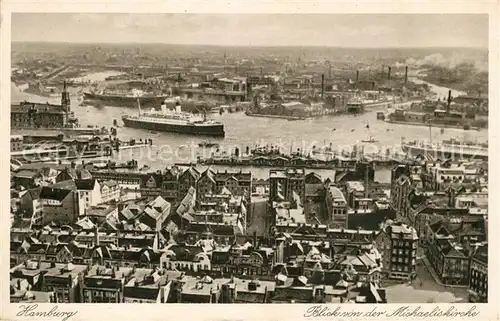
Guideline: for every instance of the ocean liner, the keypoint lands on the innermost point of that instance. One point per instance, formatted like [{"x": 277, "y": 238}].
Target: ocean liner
[
  {"x": 125, "y": 99},
  {"x": 447, "y": 149},
  {"x": 174, "y": 121}
]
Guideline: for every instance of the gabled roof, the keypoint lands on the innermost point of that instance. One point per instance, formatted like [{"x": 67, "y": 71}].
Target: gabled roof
[
  {"x": 34, "y": 193},
  {"x": 210, "y": 174},
  {"x": 68, "y": 184},
  {"x": 26, "y": 174},
  {"x": 191, "y": 171}
]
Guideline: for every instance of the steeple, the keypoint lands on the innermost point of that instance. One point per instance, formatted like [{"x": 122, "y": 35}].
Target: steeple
[{"x": 65, "y": 101}]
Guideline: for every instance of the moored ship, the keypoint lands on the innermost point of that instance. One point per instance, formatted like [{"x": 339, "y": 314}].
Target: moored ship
[
  {"x": 125, "y": 99},
  {"x": 175, "y": 122},
  {"x": 452, "y": 148}
]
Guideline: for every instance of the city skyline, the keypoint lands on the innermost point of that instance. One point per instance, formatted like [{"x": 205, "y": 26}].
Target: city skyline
[{"x": 259, "y": 30}]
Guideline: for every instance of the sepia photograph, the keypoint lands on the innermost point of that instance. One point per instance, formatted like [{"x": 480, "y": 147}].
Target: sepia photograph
[{"x": 249, "y": 158}]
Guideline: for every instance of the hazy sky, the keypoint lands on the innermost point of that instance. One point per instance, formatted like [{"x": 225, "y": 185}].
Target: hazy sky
[{"x": 343, "y": 30}]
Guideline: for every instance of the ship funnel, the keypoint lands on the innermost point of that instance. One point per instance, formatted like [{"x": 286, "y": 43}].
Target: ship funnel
[
  {"x": 178, "y": 108},
  {"x": 322, "y": 85},
  {"x": 164, "y": 108}
]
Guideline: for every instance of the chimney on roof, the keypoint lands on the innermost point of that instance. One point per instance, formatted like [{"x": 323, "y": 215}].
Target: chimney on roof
[{"x": 449, "y": 102}]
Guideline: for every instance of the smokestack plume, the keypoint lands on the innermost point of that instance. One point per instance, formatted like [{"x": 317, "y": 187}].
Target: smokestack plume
[
  {"x": 322, "y": 85},
  {"x": 357, "y": 75},
  {"x": 406, "y": 74},
  {"x": 389, "y": 73}
]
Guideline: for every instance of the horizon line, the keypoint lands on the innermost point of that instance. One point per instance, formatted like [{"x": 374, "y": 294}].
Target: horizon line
[{"x": 244, "y": 46}]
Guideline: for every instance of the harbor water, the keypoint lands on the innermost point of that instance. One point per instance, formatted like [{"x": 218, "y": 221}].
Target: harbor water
[{"x": 340, "y": 132}]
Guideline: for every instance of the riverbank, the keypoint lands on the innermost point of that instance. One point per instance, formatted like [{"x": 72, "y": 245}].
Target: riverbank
[
  {"x": 438, "y": 125},
  {"x": 275, "y": 116},
  {"x": 57, "y": 131}
]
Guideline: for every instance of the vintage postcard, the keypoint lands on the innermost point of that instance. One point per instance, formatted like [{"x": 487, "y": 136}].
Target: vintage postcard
[{"x": 332, "y": 157}]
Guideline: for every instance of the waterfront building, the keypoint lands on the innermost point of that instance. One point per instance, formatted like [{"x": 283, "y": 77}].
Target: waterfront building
[{"x": 35, "y": 115}]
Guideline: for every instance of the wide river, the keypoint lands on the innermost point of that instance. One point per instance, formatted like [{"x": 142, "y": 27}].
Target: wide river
[{"x": 341, "y": 131}]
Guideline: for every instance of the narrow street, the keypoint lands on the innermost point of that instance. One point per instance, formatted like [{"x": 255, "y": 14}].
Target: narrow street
[{"x": 257, "y": 220}]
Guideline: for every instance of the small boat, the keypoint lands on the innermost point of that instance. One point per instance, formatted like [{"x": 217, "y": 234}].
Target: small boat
[
  {"x": 371, "y": 140},
  {"x": 208, "y": 144},
  {"x": 152, "y": 132}
]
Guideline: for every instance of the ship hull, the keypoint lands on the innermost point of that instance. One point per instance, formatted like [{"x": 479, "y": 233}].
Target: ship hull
[
  {"x": 215, "y": 130},
  {"x": 125, "y": 101},
  {"x": 443, "y": 153}
]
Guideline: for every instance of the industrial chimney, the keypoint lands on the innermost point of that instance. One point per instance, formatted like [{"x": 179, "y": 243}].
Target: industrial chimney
[
  {"x": 449, "y": 102},
  {"x": 406, "y": 74},
  {"x": 357, "y": 75},
  {"x": 322, "y": 85},
  {"x": 389, "y": 73}
]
